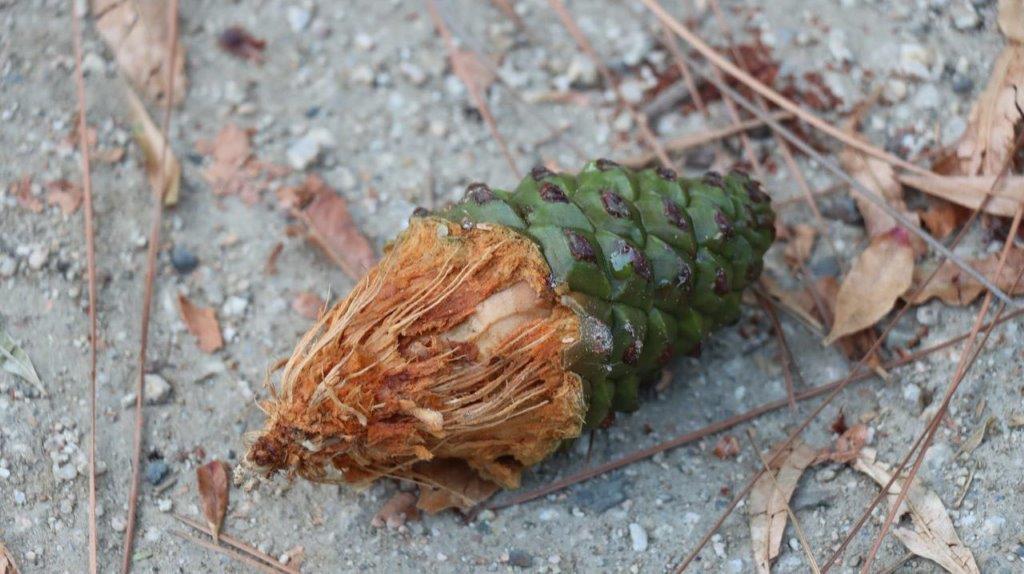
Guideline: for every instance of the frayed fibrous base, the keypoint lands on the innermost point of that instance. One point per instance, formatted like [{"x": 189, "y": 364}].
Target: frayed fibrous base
[{"x": 444, "y": 366}]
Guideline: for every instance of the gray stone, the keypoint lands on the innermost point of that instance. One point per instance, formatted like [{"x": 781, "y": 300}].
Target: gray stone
[
  {"x": 156, "y": 471},
  {"x": 520, "y": 558},
  {"x": 183, "y": 260},
  {"x": 639, "y": 537},
  {"x": 157, "y": 389},
  {"x": 964, "y": 16}
]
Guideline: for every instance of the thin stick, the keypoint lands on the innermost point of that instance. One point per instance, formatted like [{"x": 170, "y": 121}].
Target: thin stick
[
  {"x": 784, "y": 352},
  {"x": 238, "y": 545},
  {"x": 808, "y": 551},
  {"x": 475, "y": 94},
  {"x": 684, "y": 71},
  {"x": 722, "y": 63},
  {"x": 147, "y": 296},
  {"x": 724, "y": 424},
  {"x": 90, "y": 258},
  {"x": 609, "y": 78},
  {"x": 221, "y": 550},
  {"x": 863, "y": 191},
  {"x": 688, "y": 141}
]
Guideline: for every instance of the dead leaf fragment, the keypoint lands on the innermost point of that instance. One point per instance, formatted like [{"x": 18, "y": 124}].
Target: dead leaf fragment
[
  {"x": 954, "y": 287},
  {"x": 16, "y": 361},
  {"x": 202, "y": 323},
  {"x": 238, "y": 42},
  {"x": 988, "y": 140},
  {"x": 727, "y": 446},
  {"x": 212, "y": 481},
  {"x": 769, "y": 499},
  {"x": 66, "y": 195},
  {"x": 879, "y": 276},
  {"x": 977, "y": 436},
  {"x": 941, "y": 218},
  {"x": 309, "y": 305},
  {"x": 22, "y": 192},
  {"x": 933, "y": 535},
  {"x": 330, "y": 227},
  {"x": 847, "y": 446},
  {"x": 801, "y": 245},
  {"x": 970, "y": 190},
  {"x": 165, "y": 183},
  {"x": 452, "y": 485},
  {"x": 1011, "y": 19},
  {"x": 474, "y": 72},
  {"x": 7, "y": 565},
  {"x": 399, "y": 508},
  {"x": 230, "y": 151},
  {"x": 137, "y": 33}
]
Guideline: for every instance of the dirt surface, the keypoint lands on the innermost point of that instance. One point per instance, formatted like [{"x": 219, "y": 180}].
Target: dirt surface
[{"x": 374, "y": 76}]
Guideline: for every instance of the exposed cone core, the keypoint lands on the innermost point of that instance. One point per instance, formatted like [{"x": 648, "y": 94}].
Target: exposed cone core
[
  {"x": 449, "y": 353},
  {"x": 506, "y": 323}
]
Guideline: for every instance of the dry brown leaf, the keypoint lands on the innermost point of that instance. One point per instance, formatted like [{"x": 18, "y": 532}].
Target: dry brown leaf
[
  {"x": 470, "y": 67},
  {"x": 953, "y": 287},
  {"x": 238, "y": 42},
  {"x": 847, "y": 446},
  {"x": 7, "y": 565},
  {"x": 330, "y": 226},
  {"x": 455, "y": 485},
  {"x": 167, "y": 183},
  {"x": 22, "y": 192},
  {"x": 66, "y": 195},
  {"x": 202, "y": 323},
  {"x": 309, "y": 305},
  {"x": 270, "y": 267},
  {"x": 230, "y": 150},
  {"x": 212, "y": 481},
  {"x": 768, "y": 501},
  {"x": 1011, "y": 19},
  {"x": 941, "y": 218},
  {"x": 989, "y": 137},
  {"x": 798, "y": 302},
  {"x": 933, "y": 535},
  {"x": 137, "y": 32},
  {"x": 727, "y": 446},
  {"x": 399, "y": 508},
  {"x": 879, "y": 276},
  {"x": 970, "y": 191},
  {"x": 801, "y": 245}
]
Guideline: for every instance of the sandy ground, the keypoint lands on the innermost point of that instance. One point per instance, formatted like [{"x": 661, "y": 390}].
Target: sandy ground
[{"x": 374, "y": 75}]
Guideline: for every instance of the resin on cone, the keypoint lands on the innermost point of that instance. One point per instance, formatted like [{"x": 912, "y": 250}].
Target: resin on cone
[{"x": 496, "y": 329}]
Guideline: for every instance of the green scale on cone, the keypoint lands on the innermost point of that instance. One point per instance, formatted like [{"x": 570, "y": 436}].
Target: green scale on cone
[{"x": 652, "y": 262}]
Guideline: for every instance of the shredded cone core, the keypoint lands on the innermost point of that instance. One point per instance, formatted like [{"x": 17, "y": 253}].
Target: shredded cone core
[{"x": 445, "y": 362}]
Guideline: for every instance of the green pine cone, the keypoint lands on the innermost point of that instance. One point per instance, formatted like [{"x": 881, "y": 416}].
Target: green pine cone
[{"x": 652, "y": 262}]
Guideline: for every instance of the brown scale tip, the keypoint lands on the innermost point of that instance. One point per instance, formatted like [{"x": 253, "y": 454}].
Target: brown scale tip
[
  {"x": 540, "y": 172},
  {"x": 479, "y": 193},
  {"x": 614, "y": 205},
  {"x": 605, "y": 164},
  {"x": 712, "y": 178},
  {"x": 666, "y": 173},
  {"x": 551, "y": 193},
  {"x": 269, "y": 452}
]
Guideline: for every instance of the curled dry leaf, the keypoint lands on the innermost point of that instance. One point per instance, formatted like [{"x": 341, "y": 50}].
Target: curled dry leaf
[
  {"x": 309, "y": 305},
  {"x": 847, "y": 446},
  {"x": 953, "y": 287},
  {"x": 933, "y": 535},
  {"x": 769, "y": 499},
  {"x": 330, "y": 227},
  {"x": 879, "y": 276},
  {"x": 989, "y": 138},
  {"x": 472, "y": 489},
  {"x": 727, "y": 446},
  {"x": 202, "y": 323},
  {"x": 238, "y": 42},
  {"x": 22, "y": 192},
  {"x": 801, "y": 244},
  {"x": 399, "y": 508},
  {"x": 7, "y": 565},
  {"x": 942, "y": 218},
  {"x": 15, "y": 361},
  {"x": 137, "y": 33},
  {"x": 970, "y": 190},
  {"x": 165, "y": 183},
  {"x": 214, "y": 485},
  {"x": 66, "y": 195}
]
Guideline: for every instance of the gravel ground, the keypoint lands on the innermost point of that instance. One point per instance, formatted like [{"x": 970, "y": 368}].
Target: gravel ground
[{"x": 373, "y": 75}]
